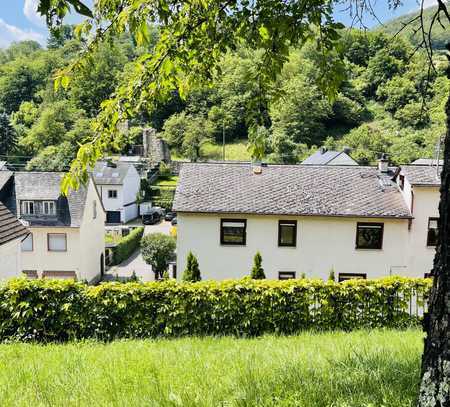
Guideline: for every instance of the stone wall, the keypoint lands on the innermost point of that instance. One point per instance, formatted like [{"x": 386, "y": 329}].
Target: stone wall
[{"x": 155, "y": 148}]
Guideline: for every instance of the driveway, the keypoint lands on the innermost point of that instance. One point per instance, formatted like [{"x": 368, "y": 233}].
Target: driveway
[{"x": 135, "y": 263}]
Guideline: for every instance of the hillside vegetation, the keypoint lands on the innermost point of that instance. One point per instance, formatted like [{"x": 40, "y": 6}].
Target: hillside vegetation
[
  {"x": 440, "y": 33},
  {"x": 385, "y": 103}
]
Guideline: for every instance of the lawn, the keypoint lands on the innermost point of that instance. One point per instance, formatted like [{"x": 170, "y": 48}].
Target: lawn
[
  {"x": 166, "y": 182},
  {"x": 236, "y": 151},
  {"x": 378, "y": 368}
]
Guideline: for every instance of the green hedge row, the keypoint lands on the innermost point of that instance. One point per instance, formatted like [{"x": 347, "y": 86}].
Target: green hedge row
[
  {"x": 54, "y": 310},
  {"x": 128, "y": 245}
]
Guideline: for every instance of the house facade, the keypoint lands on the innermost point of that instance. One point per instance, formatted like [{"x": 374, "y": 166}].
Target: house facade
[
  {"x": 118, "y": 184},
  {"x": 303, "y": 219},
  {"x": 66, "y": 234},
  {"x": 419, "y": 186},
  {"x": 12, "y": 232}
]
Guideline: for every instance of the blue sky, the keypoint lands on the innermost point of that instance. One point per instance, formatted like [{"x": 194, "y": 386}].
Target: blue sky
[{"x": 20, "y": 21}]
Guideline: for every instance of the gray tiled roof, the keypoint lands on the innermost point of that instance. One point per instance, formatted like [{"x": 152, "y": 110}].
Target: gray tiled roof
[
  {"x": 10, "y": 227},
  {"x": 320, "y": 158},
  {"x": 288, "y": 190},
  {"x": 47, "y": 186},
  {"x": 106, "y": 175},
  {"x": 4, "y": 178},
  {"x": 426, "y": 161},
  {"x": 324, "y": 158},
  {"x": 422, "y": 175}
]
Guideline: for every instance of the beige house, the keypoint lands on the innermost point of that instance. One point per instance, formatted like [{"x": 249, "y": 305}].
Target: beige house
[
  {"x": 66, "y": 237},
  {"x": 306, "y": 219}
]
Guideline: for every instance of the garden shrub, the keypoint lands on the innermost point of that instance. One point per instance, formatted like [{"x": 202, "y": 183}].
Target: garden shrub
[
  {"x": 128, "y": 245},
  {"x": 58, "y": 310}
]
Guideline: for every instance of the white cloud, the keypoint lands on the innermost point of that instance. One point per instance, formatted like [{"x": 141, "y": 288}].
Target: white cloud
[
  {"x": 30, "y": 11},
  {"x": 429, "y": 3},
  {"x": 10, "y": 33}
]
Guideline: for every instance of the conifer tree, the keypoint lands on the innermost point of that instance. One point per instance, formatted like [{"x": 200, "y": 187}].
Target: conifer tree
[
  {"x": 257, "y": 270},
  {"x": 192, "y": 271}
]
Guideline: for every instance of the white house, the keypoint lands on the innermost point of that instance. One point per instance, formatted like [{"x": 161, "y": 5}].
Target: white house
[
  {"x": 66, "y": 237},
  {"x": 118, "y": 184},
  {"x": 328, "y": 157},
  {"x": 12, "y": 232},
  {"x": 419, "y": 185},
  {"x": 306, "y": 219}
]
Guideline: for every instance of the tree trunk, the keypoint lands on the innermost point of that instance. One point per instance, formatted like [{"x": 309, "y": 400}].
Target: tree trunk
[{"x": 435, "y": 383}]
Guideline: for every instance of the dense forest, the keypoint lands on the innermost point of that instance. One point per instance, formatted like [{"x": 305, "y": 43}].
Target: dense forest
[{"x": 386, "y": 102}]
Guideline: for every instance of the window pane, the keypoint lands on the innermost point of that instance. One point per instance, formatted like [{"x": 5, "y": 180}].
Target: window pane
[
  {"x": 432, "y": 236},
  {"x": 27, "y": 244},
  {"x": 350, "y": 276},
  {"x": 287, "y": 234},
  {"x": 233, "y": 232},
  {"x": 369, "y": 236},
  {"x": 57, "y": 242},
  {"x": 286, "y": 275}
]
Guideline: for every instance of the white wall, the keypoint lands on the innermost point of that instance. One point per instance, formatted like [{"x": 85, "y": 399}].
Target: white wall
[
  {"x": 111, "y": 204},
  {"x": 41, "y": 259},
  {"x": 323, "y": 243},
  {"x": 92, "y": 235},
  {"x": 131, "y": 185},
  {"x": 126, "y": 195},
  {"x": 10, "y": 260},
  {"x": 425, "y": 205}
]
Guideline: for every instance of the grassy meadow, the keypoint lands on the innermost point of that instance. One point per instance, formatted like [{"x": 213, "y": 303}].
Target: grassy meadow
[
  {"x": 235, "y": 151},
  {"x": 377, "y": 368}
]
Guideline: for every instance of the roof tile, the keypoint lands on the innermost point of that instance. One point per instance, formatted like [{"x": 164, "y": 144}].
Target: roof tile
[{"x": 288, "y": 190}]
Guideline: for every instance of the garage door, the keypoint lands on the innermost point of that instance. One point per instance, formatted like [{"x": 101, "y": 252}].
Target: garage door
[{"x": 113, "y": 217}]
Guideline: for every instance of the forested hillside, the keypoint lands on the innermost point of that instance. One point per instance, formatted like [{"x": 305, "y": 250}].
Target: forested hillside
[
  {"x": 440, "y": 33},
  {"x": 384, "y": 104}
]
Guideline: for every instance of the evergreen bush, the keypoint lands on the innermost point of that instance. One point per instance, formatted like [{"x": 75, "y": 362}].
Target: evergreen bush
[
  {"x": 192, "y": 271},
  {"x": 128, "y": 245},
  {"x": 257, "y": 270},
  {"x": 60, "y": 310}
]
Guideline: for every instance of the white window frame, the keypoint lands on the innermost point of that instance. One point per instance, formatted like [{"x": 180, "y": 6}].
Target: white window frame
[
  {"x": 112, "y": 193},
  {"x": 26, "y": 206},
  {"x": 28, "y": 238},
  {"x": 49, "y": 208}
]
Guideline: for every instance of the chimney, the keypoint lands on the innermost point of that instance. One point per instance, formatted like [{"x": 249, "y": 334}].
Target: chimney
[
  {"x": 347, "y": 150},
  {"x": 383, "y": 163},
  {"x": 257, "y": 167},
  {"x": 323, "y": 150}
]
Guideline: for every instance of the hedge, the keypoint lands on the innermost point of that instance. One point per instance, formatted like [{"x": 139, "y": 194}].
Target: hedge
[
  {"x": 128, "y": 245},
  {"x": 58, "y": 310}
]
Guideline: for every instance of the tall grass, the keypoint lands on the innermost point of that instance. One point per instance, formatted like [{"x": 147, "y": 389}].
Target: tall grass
[{"x": 379, "y": 368}]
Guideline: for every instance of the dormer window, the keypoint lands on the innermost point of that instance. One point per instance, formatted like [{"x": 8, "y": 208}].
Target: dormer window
[
  {"x": 28, "y": 208},
  {"x": 49, "y": 208}
]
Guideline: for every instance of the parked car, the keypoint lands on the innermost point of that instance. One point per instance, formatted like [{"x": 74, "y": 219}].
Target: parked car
[
  {"x": 161, "y": 211},
  {"x": 169, "y": 216},
  {"x": 152, "y": 217},
  {"x": 174, "y": 221}
]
